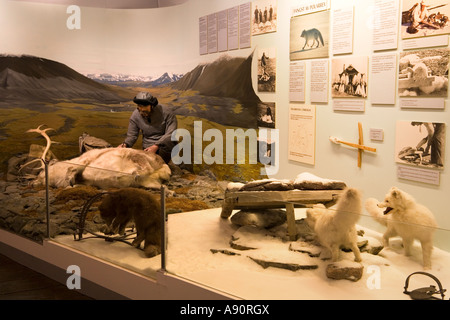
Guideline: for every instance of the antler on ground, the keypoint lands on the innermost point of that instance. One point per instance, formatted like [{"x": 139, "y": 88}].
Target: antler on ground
[{"x": 42, "y": 132}]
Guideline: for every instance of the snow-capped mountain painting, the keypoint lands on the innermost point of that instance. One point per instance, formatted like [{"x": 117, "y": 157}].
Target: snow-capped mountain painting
[{"x": 126, "y": 80}]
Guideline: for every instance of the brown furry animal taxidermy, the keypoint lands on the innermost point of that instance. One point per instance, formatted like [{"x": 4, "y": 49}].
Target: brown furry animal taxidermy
[{"x": 120, "y": 207}]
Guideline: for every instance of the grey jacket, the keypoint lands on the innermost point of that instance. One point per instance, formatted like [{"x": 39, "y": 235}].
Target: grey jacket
[{"x": 156, "y": 131}]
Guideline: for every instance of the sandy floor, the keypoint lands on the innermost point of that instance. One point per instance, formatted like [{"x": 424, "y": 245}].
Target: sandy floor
[{"x": 192, "y": 235}]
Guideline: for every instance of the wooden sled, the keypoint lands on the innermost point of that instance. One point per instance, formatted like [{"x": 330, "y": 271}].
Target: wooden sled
[{"x": 278, "y": 199}]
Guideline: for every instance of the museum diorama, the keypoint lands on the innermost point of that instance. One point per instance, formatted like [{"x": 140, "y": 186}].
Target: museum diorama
[{"x": 263, "y": 150}]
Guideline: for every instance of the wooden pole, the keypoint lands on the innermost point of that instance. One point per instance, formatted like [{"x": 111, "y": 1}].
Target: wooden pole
[{"x": 360, "y": 141}]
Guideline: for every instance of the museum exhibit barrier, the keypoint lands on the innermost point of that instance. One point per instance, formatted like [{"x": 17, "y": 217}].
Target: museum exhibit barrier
[
  {"x": 117, "y": 222},
  {"x": 268, "y": 254},
  {"x": 276, "y": 259}
]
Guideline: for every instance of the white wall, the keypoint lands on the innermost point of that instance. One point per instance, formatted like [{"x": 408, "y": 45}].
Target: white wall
[{"x": 378, "y": 171}]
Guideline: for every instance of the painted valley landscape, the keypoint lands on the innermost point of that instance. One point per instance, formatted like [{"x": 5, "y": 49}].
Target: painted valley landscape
[{"x": 38, "y": 91}]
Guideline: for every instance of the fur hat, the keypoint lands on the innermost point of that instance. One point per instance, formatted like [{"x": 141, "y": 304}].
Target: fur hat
[{"x": 145, "y": 99}]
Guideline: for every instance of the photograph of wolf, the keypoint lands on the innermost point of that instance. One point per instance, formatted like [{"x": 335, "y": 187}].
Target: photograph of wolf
[
  {"x": 420, "y": 143},
  {"x": 310, "y": 36}
]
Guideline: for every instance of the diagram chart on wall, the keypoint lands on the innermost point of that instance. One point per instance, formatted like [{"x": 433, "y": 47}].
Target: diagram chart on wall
[{"x": 302, "y": 133}]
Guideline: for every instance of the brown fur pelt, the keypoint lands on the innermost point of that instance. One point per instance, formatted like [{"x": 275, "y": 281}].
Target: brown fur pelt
[{"x": 120, "y": 207}]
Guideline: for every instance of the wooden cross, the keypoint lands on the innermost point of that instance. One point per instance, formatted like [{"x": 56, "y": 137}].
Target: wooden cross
[{"x": 360, "y": 146}]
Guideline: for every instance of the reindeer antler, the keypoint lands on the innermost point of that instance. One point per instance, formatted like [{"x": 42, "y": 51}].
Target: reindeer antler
[
  {"x": 45, "y": 135},
  {"x": 42, "y": 132}
]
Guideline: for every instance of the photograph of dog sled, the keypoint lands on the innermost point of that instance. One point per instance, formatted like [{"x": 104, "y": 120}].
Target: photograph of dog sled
[
  {"x": 423, "y": 73},
  {"x": 420, "y": 143},
  {"x": 349, "y": 77},
  {"x": 421, "y": 18},
  {"x": 310, "y": 36}
]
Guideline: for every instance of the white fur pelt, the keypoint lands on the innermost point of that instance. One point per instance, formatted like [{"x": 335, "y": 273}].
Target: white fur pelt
[
  {"x": 406, "y": 218},
  {"x": 336, "y": 227},
  {"x": 109, "y": 168}
]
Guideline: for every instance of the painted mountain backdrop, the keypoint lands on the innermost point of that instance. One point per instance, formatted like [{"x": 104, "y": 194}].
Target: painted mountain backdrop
[
  {"x": 225, "y": 77},
  {"x": 35, "y": 91},
  {"x": 25, "y": 79},
  {"x": 125, "y": 80},
  {"x": 220, "y": 91}
]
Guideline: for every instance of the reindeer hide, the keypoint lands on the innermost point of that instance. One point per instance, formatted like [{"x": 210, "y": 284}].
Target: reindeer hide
[{"x": 109, "y": 168}]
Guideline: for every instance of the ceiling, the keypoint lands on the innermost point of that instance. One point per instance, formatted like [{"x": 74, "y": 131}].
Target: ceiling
[{"x": 114, "y": 4}]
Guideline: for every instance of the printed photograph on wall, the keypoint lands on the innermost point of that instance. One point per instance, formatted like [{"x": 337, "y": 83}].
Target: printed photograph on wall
[
  {"x": 349, "y": 77},
  {"x": 266, "y": 115},
  {"x": 267, "y": 69},
  {"x": 309, "y": 36},
  {"x": 266, "y": 149},
  {"x": 264, "y": 16},
  {"x": 423, "y": 73},
  {"x": 421, "y": 18},
  {"x": 420, "y": 143}
]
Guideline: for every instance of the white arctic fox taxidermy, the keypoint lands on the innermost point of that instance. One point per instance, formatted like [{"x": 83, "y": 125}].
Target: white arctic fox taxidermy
[
  {"x": 336, "y": 228},
  {"x": 406, "y": 218}
]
